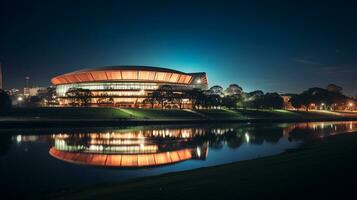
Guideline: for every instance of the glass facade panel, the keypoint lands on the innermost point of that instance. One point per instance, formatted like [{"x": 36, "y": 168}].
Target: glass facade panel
[{"x": 62, "y": 89}]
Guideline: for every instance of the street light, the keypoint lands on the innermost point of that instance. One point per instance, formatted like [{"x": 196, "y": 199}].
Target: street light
[{"x": 322, "y": 106}]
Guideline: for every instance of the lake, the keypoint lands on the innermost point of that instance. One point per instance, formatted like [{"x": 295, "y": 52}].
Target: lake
[{"x": 47, "y": 160}]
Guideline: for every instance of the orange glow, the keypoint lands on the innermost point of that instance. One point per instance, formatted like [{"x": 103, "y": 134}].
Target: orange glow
[
  {"x": 138, "y": 160},
  {"x": 122, "y": 75}
]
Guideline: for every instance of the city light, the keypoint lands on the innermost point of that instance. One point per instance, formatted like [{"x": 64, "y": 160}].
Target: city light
[
  {"x": 20, "y": 99},
  {"x": 247, "y": 138}
]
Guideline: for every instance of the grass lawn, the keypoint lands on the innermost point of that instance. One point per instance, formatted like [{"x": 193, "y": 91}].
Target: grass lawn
[
  {"x": 147, "y": 113},
  {"x": 268, "y": 113},
  {"x": 172, "y": 114},
  {"x": 221, "y": 114},
  {"x": 320, "y": 169}
]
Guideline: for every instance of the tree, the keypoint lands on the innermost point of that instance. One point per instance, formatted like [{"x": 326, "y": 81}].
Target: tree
[
  {"x": 234, "y": 89},
  {"x": 79, "y": 96},
  {"x": 296, "y": 101},
  {"x": 212, "y": 100},
  {"x": 216, "y": 90},
  {"x": 163, "y": 95},
  {"x": 33, "y": 101},
  {"x": 178, "y": 98},
  {"x": 252, "y": 99},
  {"x": 319, "y": 97},
  {"x": 272, "y": 101},
  {"x": 5, "y": 102},
  {"x": 230, "y": 101},
  {"x": 150, "y": 101},
  {"x": 197, "y": 97},
  {"x": 334, "y": 88}
]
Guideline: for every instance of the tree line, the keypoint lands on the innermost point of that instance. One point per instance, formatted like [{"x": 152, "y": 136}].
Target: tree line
[
  {"x": 215, "y": 97},
  {"x": 329, "y": 98}
]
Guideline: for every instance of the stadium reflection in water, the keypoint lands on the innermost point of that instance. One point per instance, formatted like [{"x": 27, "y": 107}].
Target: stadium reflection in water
[
  {"x": 40, "y": 160},
  {"x": 130, "y": 149},
  {"x": 156, "y": 147}
]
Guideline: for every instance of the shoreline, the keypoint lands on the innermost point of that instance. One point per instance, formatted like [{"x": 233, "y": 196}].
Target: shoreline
[
  {"x": 313, "y": 167},
  {"x": 77, "y": 123}
]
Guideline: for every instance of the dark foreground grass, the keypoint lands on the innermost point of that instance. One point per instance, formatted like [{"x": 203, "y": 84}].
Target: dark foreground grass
[
  {"x": 68, "y": 113},
  {"x": 320, "y": 169}
]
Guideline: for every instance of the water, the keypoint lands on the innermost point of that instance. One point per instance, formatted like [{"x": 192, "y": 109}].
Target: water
[{"x": 48, "y": 160}]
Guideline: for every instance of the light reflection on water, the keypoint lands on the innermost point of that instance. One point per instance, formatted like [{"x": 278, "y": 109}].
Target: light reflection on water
[{"x": 51, "y": 159}]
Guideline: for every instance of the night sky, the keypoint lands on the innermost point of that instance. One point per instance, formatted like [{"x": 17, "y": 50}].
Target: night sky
[{"x": 282, "y": 46}]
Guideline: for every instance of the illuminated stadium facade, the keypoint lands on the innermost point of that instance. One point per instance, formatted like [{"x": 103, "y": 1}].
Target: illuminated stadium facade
[{"x": 125, "y": 86}]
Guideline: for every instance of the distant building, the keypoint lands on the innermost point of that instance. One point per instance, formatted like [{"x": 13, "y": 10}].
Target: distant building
[
  {"x": 126, "y": 86},
  {"x": 34, "y": 91},
  {"x": 14, "y": 92}
]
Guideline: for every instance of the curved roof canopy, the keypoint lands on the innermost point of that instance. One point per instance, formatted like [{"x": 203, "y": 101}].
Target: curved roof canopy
[
  {"x": 124, "y": 73},
  {"x": 114, "y": 160}
]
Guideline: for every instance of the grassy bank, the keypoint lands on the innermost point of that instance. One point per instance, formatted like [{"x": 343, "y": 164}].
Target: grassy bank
[
  {"x": 68, "y": 113},
  {"x": 110, "y": 117},
  {"x": 320, "y": 169}
]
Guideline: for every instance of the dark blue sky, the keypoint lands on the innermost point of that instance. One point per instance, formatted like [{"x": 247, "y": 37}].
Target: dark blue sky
[{"x": 283, "y": 46}]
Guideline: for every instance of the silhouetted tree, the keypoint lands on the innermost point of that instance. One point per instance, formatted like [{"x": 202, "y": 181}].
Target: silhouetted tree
[
  {"x": 79, "y": 96},
  {"x": 215, "y": 90},
  {"x": 150, "y": 101},
  {"x": 230, "y": 101},
  {"x": 252, "y": 99},
  {"x": 5, "y": 102},
  {"x": 233, "y": 89},
  {"x": 212, "y": 100},
  {"x": 272, "y": 101},
  {"x": 318, "y": 96},
  {"x": 197, "y": 97},
  {"x": 334, "y": 88},
  {"x": 163, "y": 95}
]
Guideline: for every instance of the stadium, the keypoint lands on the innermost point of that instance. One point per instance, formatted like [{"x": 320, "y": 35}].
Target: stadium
[{"x": 125, "y": 86}]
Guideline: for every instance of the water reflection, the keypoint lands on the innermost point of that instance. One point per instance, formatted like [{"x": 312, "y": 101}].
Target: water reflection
[
  {"x": 151, "y": 147},
  {"x": 44, "y": 159},
  {"x": 130, "y": 149}
]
